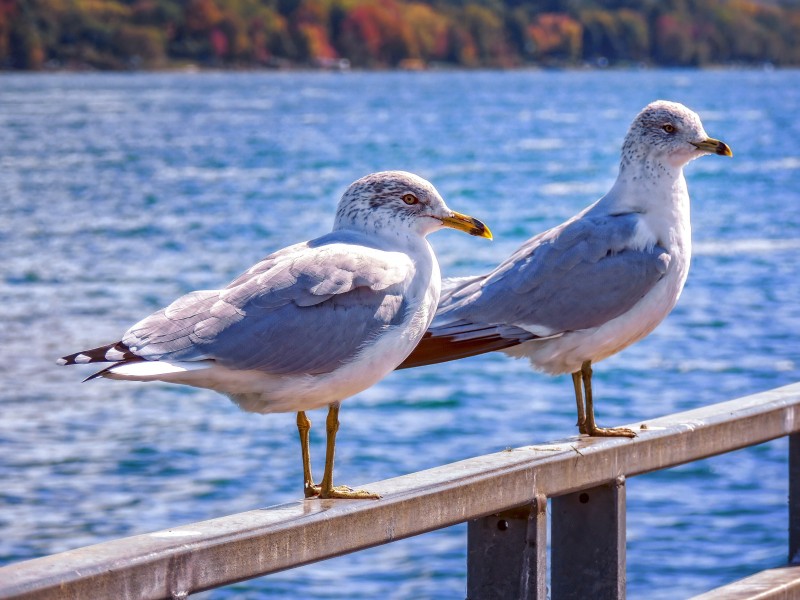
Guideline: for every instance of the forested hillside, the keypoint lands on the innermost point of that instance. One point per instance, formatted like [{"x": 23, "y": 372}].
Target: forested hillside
[{"x": 124, "y": 34}]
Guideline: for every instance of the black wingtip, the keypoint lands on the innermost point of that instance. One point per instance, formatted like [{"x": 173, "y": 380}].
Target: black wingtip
[{"x": 114, "y": 352}]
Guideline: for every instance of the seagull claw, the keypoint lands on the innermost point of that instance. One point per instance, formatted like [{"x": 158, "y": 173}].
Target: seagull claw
[
  {"x": 608, "y": 432},
  {"x": 348, "y": 493}
]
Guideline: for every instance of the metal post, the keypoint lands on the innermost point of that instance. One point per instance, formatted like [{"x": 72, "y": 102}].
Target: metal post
[
  {"x": 507, "y": 554},
  {"x": 588, "y": 543},
  {"x": 794, "y": 498}
]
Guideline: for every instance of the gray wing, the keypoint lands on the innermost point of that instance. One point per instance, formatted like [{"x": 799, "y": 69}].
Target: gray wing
[
  {"x": 302, "y": 310},
  {"x": 579, "y": 275}
]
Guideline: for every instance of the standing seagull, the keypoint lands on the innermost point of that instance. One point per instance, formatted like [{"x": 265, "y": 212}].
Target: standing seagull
[
  {"x": 595, "y": 284},
  {"x": 310, "y": 325}
]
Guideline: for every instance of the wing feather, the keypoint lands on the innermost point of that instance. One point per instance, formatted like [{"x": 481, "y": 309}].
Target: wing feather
[
  {"x": 579, "y": 275},
  {"x": 326, "y": 300}
]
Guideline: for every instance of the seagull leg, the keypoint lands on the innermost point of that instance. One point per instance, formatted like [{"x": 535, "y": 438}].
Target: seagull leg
[
  {"x": 303, "y": 427},
  {"x": 591, "y": 427},
  {"x": 576, "y": 383},
  {"x": 326, "y": 487}
]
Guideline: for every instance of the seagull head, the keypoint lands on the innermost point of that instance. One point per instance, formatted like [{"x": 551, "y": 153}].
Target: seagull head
[
  {"x": 397, "y": 203},
  {"x": 670, "y": 134}
]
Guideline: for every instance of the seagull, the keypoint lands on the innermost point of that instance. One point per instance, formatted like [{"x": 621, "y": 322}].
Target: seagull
[
  {"x": 604, "y": 279},
  {"x": 311, "y": 324}
]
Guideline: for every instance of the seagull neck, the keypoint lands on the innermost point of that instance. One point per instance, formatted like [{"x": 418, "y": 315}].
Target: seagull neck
[
  {"x": 387, "y": 237},
  {"x": 661, "y": 199},
  {"x": 648, "y": 185}
]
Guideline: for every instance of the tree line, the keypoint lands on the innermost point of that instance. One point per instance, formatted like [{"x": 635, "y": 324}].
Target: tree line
[{"x": 152, "y": 34}]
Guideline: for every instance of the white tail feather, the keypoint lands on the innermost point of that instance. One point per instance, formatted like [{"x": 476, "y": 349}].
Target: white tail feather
[{"x": 148, "y": 370}]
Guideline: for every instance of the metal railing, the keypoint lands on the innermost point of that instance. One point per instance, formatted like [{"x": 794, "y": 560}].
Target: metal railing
[{"x": 502, "y": 496}]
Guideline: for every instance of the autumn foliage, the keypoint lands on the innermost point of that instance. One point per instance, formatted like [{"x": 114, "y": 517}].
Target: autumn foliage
[{"x": 123, "y": 34}]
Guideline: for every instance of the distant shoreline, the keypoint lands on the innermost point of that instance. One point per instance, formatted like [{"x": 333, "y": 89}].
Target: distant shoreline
[
  {"x": 117, "y": 35},
  {"x": 197, "y": 69}
]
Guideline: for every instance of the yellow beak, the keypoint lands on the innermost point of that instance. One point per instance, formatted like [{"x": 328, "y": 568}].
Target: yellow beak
[
  {"x": 467, "y": 224},
  {"x": 714, "y": 147}
]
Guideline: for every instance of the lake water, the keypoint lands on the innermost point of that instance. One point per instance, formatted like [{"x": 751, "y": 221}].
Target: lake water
[{"x": 120, "y": 192}]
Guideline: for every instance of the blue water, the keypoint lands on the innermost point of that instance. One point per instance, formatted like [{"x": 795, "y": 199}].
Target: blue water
[{"x": 120, "y": 192}]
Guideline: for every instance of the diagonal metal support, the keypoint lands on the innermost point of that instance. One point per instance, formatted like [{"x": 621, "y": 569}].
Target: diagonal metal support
[
  {"x": 794, "y": 498},
  {"x": 588, "y": 537},
  {"x": 507, "y": 554}
]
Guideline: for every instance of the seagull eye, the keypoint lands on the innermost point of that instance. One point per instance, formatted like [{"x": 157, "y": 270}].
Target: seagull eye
[
  {"x": 410, "y": 199},
  {"x": 669, "y": 128}
]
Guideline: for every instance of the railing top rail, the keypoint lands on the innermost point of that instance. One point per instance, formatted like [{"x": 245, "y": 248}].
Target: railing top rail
[{"x": 198, "y": 556}]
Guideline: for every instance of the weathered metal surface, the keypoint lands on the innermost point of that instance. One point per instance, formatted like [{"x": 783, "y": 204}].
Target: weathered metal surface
[
  {"x": 782, "y": 583},
  {"x": 507, "y": 554},
  {"x": 213, "y": 553},
  {"x": 588, "y": 543}
]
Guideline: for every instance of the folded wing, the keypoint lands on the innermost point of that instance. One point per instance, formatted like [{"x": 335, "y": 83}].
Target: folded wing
[
  {"x": 577, "y": 276},
  {"x": 327, "y": 300}
]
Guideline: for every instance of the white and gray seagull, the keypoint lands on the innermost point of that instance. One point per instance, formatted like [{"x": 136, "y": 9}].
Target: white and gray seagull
[
  {"x": 311, "y": 324},
  {"x": 599, "y": 282}
]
